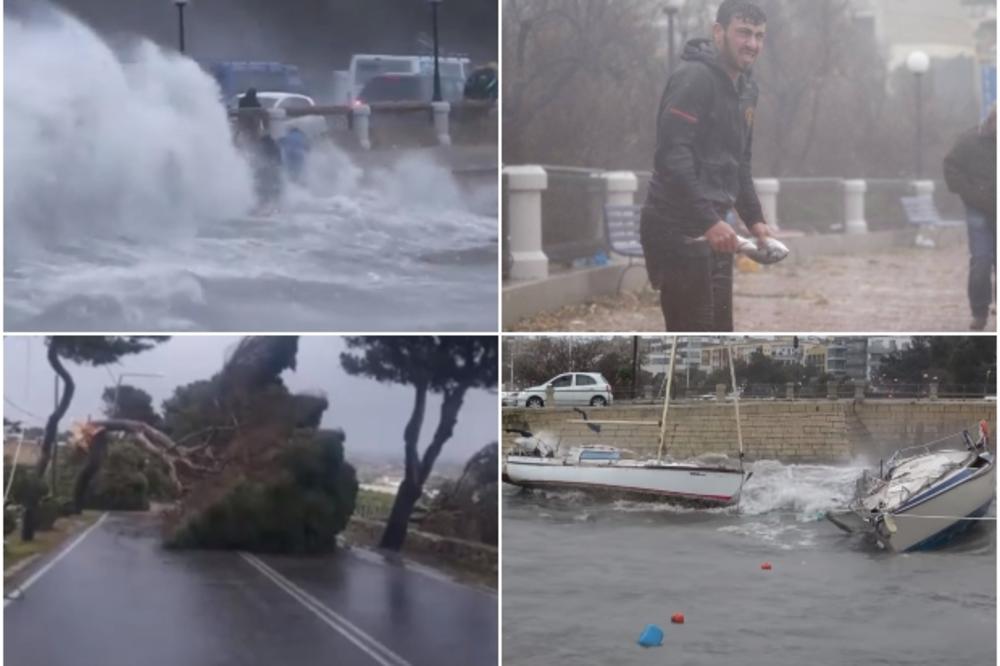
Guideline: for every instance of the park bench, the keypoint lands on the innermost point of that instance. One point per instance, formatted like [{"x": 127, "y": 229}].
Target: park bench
[
  {"x": 621, "y": 231},
  {"x": 921, "y": 211}
]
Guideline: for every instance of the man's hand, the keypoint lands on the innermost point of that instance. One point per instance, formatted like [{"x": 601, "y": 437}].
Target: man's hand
[
  {"x": 761, "y": 232},
  {"x": 721, "y": 237}
]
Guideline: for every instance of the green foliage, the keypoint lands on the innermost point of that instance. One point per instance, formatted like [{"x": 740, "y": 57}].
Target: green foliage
[
  {"x": 9, "y": 520},
  {"x": 952, "y": 359},
  {"x": 102, "y": 349},
  {"x": 199, "y": 407},
  {"x": 440, "y": 362},
  {"x": 48, "y": 513},
  {"x": 27, "y": 487},
  {"x": 258, "y": 361},
  {"x": 119, "y": 491},
  {"x": 192, "y": 407},
  {"x": 129, "y": 402},
  {"x": 301, "y": 512},
  {"x": 540, "y": 359},
  {"x": 128, "y": 480}
]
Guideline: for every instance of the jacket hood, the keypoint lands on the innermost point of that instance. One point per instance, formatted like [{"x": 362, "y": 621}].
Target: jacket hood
[{"x": 703, "y": 50}]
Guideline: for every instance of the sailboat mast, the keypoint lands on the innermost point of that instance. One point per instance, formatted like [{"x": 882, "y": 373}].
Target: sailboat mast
[
  {"x": 666, "y": 400},
  {"x": 736, "y": 400}
]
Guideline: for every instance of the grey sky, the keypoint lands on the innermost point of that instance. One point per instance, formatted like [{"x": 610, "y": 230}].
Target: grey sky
[{"x": 373, "y": 415}]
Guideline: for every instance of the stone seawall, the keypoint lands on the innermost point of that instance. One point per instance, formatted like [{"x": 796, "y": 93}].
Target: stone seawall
[{"x": 815, "y": 431}]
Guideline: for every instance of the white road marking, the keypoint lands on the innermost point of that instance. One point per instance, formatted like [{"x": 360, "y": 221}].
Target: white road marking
[
  {"x": 38, "y": 574},
  {"x": 372, "y": 647}
]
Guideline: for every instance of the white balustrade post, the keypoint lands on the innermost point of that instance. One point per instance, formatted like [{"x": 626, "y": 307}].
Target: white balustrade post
[
  {"x": 854, "y": 207},
  {"x": 361, "y": 116},
  {"x": 525, "y": 185},
  {"x": 620, "y": 188},
  {"x": 441, "y": 112},
  {"x": 767, "y": 192},
  {"x": 922, "y": 187}
]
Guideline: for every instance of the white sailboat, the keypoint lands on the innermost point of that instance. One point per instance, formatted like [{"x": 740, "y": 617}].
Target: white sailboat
[
  {"x": 610, "y": 470},
  {"x": 925, "y": 496}
]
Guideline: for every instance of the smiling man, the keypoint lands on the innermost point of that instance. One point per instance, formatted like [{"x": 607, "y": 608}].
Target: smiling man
[{"x": 702, "y": 172}]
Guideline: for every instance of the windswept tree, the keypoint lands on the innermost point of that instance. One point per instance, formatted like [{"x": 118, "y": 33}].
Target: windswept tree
[
  {"x": 92, "y": 350},
  {"x": 449, "y": 365},
  {"x": 129, "y": 402}
]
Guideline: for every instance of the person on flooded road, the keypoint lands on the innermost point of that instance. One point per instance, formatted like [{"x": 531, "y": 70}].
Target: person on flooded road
[
  {"x": 702, "y": 172},
  {"x": 252, "y": 122}
]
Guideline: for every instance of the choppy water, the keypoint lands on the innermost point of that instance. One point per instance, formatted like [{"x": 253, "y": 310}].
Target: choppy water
[
  {"x": 127, "y": 208},
  {"x": 355, "y": 261},
  {"x": 581, "y": 579}
]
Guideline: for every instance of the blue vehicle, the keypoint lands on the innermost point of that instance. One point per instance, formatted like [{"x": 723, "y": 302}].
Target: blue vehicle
[{"x": 234, "y": 77}]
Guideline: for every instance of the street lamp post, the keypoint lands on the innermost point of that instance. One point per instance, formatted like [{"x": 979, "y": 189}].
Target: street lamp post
[
  {"x": 180, "y": 22},
  {"x": 437, "y": 71},
  {"x": 671, "y": 9},
  {"x": 918, "y": 63}
]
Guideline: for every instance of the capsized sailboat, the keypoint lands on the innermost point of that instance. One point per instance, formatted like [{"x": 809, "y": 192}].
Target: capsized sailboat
[
  {"x": 925, "y": 495},
  {"x": 612, "y": 470}
]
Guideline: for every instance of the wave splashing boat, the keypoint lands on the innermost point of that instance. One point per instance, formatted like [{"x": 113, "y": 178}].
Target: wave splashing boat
[{"x": 924, "y": 496}]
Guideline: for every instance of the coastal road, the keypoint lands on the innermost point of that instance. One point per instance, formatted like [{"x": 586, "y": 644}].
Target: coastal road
[{"x": 117, "y": 598}]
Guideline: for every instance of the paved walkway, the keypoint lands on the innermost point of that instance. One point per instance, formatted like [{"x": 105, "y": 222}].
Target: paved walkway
[{"x": 910, "y": 290}]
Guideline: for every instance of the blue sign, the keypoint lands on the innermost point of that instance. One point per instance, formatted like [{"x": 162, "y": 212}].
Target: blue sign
[{"x": 988, "y": 87}]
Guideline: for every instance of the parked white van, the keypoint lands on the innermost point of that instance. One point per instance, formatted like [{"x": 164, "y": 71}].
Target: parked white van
[{"x": 348, "y": 83}]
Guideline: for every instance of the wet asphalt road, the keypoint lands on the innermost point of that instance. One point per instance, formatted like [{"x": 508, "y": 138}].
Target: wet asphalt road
[{"x": 119, "y": 599}]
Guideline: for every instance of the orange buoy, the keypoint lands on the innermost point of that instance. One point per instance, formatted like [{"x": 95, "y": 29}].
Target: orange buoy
[
  {"x": 677, "y": 618},
  {"x": 766, "y": 566}
]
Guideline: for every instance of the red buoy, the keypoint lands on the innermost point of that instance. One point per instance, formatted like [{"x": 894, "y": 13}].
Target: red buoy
[
  {"x": 766, "y": 566},
  {"x": 677, "y": 618}
]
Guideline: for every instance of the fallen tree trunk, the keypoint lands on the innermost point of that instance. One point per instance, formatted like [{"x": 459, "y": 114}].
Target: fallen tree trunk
[{"x": 179, "y": 461}]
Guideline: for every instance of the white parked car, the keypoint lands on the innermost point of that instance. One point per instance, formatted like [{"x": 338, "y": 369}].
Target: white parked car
[
  {"x": 571, "y": 388},
  {"x": 279, "y": 103}
]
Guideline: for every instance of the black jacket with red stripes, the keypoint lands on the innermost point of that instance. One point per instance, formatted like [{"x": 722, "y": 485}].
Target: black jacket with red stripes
[{"x": 703, "y": 141}]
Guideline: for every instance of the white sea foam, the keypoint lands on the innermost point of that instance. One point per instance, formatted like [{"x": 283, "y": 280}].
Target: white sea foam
[{"x": 126, "y": 208}]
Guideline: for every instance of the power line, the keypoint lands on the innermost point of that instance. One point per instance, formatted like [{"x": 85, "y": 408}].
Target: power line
[{"x": 19, "y": 408}]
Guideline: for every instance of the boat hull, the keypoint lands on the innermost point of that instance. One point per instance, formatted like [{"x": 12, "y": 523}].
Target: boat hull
[
  {"x": 968, "y": 495},
  {"x": 713, "y": 486}
]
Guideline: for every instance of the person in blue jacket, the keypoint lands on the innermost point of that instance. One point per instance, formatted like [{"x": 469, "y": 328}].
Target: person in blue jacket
[{"x": 294, "y": 150}]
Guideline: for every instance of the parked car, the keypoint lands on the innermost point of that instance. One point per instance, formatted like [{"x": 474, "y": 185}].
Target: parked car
[
  {"x": 571, "y": 388},
  {"x": 280, "y": 102},
  {"x": 508, "y": 398}
]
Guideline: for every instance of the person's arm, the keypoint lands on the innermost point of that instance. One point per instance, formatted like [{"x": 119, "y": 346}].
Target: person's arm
[
  {"x": 954, "y": 174},
  {"x": 976, "y": 189},
  {"x": 684, "y": 109}
]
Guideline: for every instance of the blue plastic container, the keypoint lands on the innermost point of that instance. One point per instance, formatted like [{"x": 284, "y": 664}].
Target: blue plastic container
[{"x": 652, "y": 636}]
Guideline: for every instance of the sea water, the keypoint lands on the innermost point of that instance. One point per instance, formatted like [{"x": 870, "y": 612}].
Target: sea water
[{"x": 582, "y": 578}]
